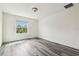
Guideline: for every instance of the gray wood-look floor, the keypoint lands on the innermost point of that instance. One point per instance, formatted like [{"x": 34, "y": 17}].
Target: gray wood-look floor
[{"x": 36, "y": 47}]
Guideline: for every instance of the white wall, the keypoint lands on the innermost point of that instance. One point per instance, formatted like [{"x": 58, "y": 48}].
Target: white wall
[
  {"x": 0, "y": 27},
  {"x": 62, "y": 27},
  {"x": 9, "y": 28}
]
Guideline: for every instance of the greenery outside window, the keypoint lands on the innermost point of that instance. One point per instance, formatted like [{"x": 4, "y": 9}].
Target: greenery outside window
[{"x": 21, "y": 26}]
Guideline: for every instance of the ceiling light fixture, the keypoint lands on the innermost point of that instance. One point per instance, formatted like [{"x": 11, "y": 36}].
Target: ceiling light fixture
[{"x": 35, "y": 9}]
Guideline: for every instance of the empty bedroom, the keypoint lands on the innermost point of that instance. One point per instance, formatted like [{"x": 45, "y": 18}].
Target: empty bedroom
[{"x": 39, "y": 29}]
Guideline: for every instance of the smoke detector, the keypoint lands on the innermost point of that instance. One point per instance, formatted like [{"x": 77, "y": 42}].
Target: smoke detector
[{"x": 35, "y": 9}]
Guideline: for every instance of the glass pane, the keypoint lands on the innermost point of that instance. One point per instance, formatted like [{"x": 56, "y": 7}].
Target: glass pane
[{"x": 21, "y": 26}]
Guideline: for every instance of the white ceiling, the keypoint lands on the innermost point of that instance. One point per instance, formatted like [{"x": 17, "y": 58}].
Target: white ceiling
[{"x": 25, "y": 9}]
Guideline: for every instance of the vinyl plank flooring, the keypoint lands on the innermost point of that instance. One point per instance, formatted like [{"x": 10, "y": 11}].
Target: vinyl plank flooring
[{"x": 36, "y": 47}]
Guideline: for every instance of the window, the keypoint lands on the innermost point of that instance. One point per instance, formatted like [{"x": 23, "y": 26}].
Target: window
[{"x": 21, "y": 26}]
